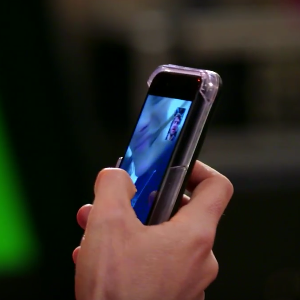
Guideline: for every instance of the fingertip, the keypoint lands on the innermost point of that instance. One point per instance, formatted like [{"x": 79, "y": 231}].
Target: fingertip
[
  {"x": 184, "y": 201},
  {"x": 83, "y": 214},
  {"x": 200, "y": 172},
  {"x": 75, "y": 254},
  {"x": 229, "y": 187},
  {"x": 119, "y": 177}
]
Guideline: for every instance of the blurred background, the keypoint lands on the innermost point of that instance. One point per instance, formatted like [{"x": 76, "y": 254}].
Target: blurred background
[{"x": 72, "y": 79}]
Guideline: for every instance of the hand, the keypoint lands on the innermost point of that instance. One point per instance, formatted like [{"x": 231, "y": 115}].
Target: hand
[{"x": 121, "y": 259}]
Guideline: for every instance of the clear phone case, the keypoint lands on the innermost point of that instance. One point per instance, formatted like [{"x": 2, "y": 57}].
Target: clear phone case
[
  {"x": 172, "y": 185},
  {"x": 210, "y": 80},
  {"x": 171, "y": 188}
]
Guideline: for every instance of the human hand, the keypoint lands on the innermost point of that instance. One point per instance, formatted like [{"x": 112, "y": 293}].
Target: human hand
[{"x": 119, "y": 258}]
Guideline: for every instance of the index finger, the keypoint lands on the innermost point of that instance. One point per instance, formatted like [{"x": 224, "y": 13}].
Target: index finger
[
  {"x": 200, "y": 172},
  {"x": 211, "y": 194}
]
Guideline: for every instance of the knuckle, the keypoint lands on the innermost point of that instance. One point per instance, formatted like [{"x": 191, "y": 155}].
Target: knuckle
[
  {"x": 213, "y": 268},
  {"x": 204, "y": 240},
  {"x": 223, "y": 191},
  {"x": 216, "y": 208},
  {"x": 112, "y": 217},
  {"x": 226, "y": 186}
]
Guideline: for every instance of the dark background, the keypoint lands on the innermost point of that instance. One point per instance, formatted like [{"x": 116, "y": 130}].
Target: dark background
[{"x": 68, "y": 104}]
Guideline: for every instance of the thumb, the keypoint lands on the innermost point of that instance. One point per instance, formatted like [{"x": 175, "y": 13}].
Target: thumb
[{"x": 114, "y": 190}]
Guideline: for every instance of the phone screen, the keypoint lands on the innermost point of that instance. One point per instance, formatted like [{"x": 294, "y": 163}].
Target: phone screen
[{"x": 151, "y": 147}]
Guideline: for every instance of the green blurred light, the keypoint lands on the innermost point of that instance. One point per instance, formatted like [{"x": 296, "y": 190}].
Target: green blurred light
[{"x": 18, "y": 247}]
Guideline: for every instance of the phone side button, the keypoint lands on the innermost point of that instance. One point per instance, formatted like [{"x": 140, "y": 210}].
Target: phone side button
[{"x": 118, "y": 162}]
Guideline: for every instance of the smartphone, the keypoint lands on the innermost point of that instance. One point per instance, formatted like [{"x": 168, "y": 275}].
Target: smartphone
[{"x": 167, "y": 138}]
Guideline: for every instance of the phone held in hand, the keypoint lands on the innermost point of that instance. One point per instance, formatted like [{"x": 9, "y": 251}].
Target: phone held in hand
[{"x": 167, "y": 138}]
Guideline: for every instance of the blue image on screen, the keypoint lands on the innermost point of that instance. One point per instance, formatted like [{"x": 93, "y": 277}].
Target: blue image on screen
[{"x": 151, "y": 147}]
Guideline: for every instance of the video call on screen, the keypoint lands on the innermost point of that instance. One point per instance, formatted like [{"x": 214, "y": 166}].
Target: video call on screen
[{"x": 151, "y": 147}]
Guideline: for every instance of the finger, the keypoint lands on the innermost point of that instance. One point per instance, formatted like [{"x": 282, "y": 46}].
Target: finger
[
  {"x": 208, "y": 201},
  {"x": 113, "y": 191},
  {"x": 200, "y": 172},
  {"x": 75, "y": 254},
  {"x": 208, "y": 272},
  {"x": 83, "y": 214},
  {"x": 202, "y": 296},
  {"x": 184, "y": 201}
]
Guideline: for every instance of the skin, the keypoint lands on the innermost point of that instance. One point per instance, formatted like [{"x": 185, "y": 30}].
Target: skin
[
  {"x": 121, "y": 259},
  {"x": 148, "y": 138}
]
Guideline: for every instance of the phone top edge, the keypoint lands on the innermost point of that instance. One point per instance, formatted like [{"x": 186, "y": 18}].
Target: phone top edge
[{"x": 210, "y": 80}]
